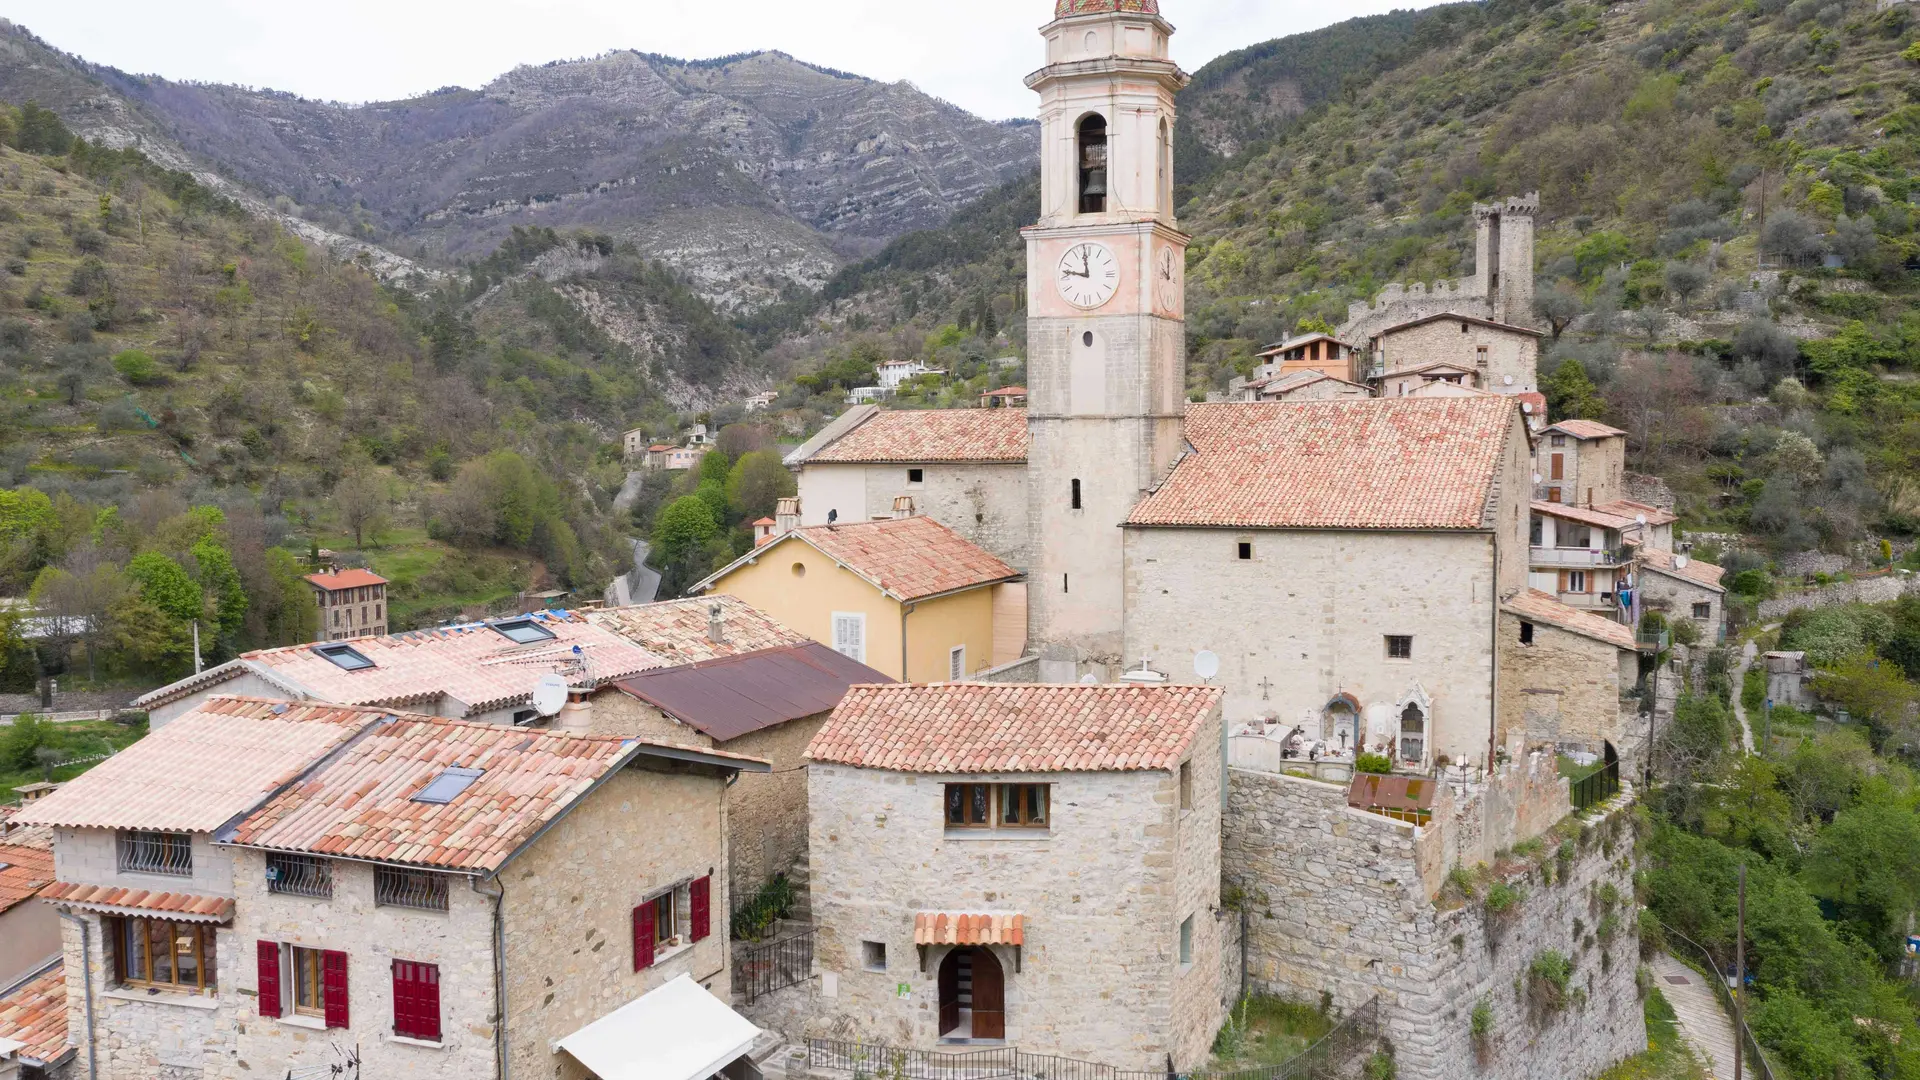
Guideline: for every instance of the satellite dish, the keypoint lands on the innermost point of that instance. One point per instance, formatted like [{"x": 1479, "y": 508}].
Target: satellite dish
[
  {"x": 1089, "y": 679},
  {"x": 549, "y": 694},
  {"x": 1206, "y": 664},
  {"x": 1640, "y": 518},
  {"x": 833, "y": 516},
  {"x": 1525, "y": 406},
  {"x": 1536, "y": 478}
]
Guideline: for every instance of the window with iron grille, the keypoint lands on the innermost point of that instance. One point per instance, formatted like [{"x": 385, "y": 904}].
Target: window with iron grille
[
  {"x": 156, "y": 853},
  {"x": 299, "y": 875},
  {"x": 393, "y": 887},
  {"x": 1399, "y": 647}
]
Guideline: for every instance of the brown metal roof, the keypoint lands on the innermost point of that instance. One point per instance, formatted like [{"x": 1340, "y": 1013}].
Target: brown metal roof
[
  {"x": 731, "y": 696},
  {"x": 1391, "y": 792}
]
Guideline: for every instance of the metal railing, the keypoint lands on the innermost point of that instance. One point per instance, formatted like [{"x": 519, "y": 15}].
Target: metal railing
[
  {"x": 1540, "y": 555},
  {"x": 1655, "y": 640},
  {"x": 1596, "y": 787},
  {"x": 1336, "y": 1055},
  {"x": 421, "y": 889},
  {"x": 1755, "y": 1061},
  {"x": 759, "y": 970},
  {"x": 156, "y": 853},
  {"x": 299, "y": 875}
]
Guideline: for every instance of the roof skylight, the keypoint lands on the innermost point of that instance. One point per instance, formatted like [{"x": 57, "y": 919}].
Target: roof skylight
[
  {"x": 344, "y": 655},
  {"x": 448, "y": 785},
  {"x": 523, "y": 631}
]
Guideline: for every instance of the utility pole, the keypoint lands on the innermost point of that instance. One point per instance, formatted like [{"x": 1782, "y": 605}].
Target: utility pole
[{"x": 1740, "y": 975}]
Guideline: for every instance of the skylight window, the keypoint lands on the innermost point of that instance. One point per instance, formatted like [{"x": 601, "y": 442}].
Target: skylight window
[
  {"x": 344, "y": 655},
  {"x": 523, "y": 631},
  {"x": 448, "y": 785}
]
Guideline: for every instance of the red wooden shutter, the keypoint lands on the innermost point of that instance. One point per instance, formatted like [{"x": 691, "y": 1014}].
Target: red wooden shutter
[
  {"x": 416, "y": 1000},
  {"x": 333, "y": 985},
  {"x": 702, "y": 904},
  {"x": 268, "y": 953},
  {"x": 643, "y": 930}
]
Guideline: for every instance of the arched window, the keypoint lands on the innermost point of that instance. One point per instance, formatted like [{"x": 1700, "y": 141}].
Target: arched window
[
  {"x": 1093, "y": 164},
  {"x": 1163, "y": 188}
]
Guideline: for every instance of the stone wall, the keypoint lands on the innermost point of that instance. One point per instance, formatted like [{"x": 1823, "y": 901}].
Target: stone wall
[
  {"x": 1338, "y": 906},
  {"x": 1873, "y": 590},
  {"x": 985, "y": 503},
  {"x": 1676, "y": 596},
  {"x": 1511, "y": 355},
  {"x": 1397, "y": 303},
  {"x": 1564, "y": 688}
]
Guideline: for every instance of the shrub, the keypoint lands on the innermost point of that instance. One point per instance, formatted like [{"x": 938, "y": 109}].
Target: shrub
[
  {"x": 1685, "y": 632},
  {"x": 137, "y": 368},
  {"x": 1373, "y": 763},
  {"x": 1547, "y": 979},
  {"x": 1502, "y": 898}
]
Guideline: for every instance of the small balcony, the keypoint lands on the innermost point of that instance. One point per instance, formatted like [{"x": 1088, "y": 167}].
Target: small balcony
[
  {"x": 1652, "y": 640},
  {"x": 1577, "y": 557}
]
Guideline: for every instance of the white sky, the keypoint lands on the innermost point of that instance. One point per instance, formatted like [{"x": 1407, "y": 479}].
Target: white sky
[{"x": 973, "y": 54}]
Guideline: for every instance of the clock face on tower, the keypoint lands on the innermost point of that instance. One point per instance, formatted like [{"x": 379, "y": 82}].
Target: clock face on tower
[
  {"x": 1167, "y": 271},
  {"x": 1088, "y": 274}
]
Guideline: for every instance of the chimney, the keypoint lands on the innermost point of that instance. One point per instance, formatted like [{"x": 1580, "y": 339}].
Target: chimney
[
  {"x": 903, "y": 506},
  {"x": 716, "y": 631},
  {"x": 576, "y": 715},
  {"x": 786, "y": 514}
]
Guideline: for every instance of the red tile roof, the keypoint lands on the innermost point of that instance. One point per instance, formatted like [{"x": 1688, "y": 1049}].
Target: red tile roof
[
  {"x": 1454, "y": 316},
  {"x": 1582, "y": 514},
  {"x": 1013, "y": 727},
  {"x": 1627, "y": 508},
  {"x": 676, "y": 630},
  {"x": 346, "y": 579},
  {"x": 961, "y": 928},
  {"x": 1699, "y": 573},
  {"x": 912, "y": 435},
  {"x": 1586, "y": 429},
  {"x": 196, "y": 773},
  {"x": 907, "y": 558},
  {"x": 23, "y": 872},
  {"x": 1007, "y": 391},
  {"x": 34, "y": 1015},
  {"x": 1536, "y": 606},
  {"x": 1346, "y": 463},
  {"x": 108, "y": 897}
]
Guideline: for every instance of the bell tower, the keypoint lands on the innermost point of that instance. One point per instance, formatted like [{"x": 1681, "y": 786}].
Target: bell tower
[{"x": 1106, "y": 343}]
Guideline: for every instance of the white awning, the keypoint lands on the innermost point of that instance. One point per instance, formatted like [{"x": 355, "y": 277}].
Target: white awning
[{"x": 678, "y": 1031}]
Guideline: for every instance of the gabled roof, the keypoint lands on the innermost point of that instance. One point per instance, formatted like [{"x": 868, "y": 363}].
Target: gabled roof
[
  {"x": 1431, "y": 365},
  {"x": 1288, "y": 381},
  {"x": 908, "y": 559},
  {"x": 24, "y": 871},
  {"x": 1585, "y": 429},
  {"x": 1454, "y": 316},
  {"x": 1693, "y": 571},
  {"x": 1303, "y": 339},
  {"x": 1536, "y": 606},
  {"x": 677, "y": 630},
  {"x": 983, "y": 436},
  {"x": 33, "y": 1018},
  {"x": 1345, "y": 463},
  {"x": 352, "y": 578},
  {"x": 1014, "y": 727},
  {"x": 1627, "y": 508},
  {"x": 200, "y": 771},
  {"x": 471, "y": 663},
  {"x": 731, "y": 696},
  {"x": 1583, "y": 514},
  {"x": 361, "y": 804}
]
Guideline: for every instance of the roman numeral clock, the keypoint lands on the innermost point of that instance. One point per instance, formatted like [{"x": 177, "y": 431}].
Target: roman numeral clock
[{"x": 1087, "y": 274}]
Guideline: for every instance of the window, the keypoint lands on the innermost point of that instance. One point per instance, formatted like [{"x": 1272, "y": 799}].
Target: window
[
  {"x": 156, "y": 853},
  {"x": 1186, "y": 941},
  {"x": 299, "y": 875},
  {"x": 1557, "y": 469},
  {"x": 956, "y": 663},
  {"x": 665, "y": 926},
  {"x": 915, "y": 476},
  {"x": 677, "y": 917},
  {"x": 1399, "y": 647},
  {"x": 1076, "y": 494},
  {"x": 850, "y": 634},
  {"x": 1534, "y": 532},
  {"x": 1559, "y": 440},
  {"x": 873, "y": 955},
  {"x": 1703, "y": 611},
  {"x": 345, "y": 656},
  {"x": 416, "y": 1000},
  {"x": 418, "y": 889},
  {"x": 1186, "y": 785},
  {"x": 447, "y": 787},
  {"x": 1063, "y": 583},
  {"x": 336, "y": 622},
  {"x": 1553, "y": 495},
  {"x": 1576, "y": 581},
  {"x": 969, "y": 806},
  {"x": 1246, "y": 549},
  {"x": 1526, "y": 633},
  {"x": 309, "y": 996},
  {"x": 1023, "y": 806},
  {"x": 1093, "y": 164},
  {"x": 163, "y": 955},
  {"x": 523, "y": 631}
]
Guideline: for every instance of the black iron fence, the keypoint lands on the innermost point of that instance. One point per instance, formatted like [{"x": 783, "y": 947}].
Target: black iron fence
[
  {"x": 1755, "y": 1061},
  {"x": 1341, "y": 1054},
  {"x": 761, "y": 969},
  {"x": 1596, "y": 787}
]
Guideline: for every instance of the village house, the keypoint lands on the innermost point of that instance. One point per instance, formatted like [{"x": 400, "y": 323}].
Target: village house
[
  {"x": 353, "y": 603},
  {"x": 891, "y": 373},
  {"x": 279, "y": 886},
  {"x": 1580, "y": 461},
  {"x": 965, "y": 468},
  {"x": 1564, "y": 674},
  {"x": 1015, "y": 396},
  {"x": 906, "y": 595},
  {"x": 1580, "y": 556},
  {"x": 986, "y": 874},
  {"x": 1308, "y": 385},
  {"x": 1319, "y": 352},
  {"x": 1482, "y": 353},
  {"x": 633, "y": 441},
  {"x": 1680, "y": 586}
]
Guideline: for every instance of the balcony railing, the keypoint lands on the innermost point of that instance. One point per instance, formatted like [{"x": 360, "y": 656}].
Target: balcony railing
[
  {"x": 1576, "y": 556},
  {"x": 1651, "y": 640}
]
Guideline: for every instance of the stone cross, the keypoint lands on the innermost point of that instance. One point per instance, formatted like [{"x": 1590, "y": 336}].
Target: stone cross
[{"x": 1265, "y": 684}]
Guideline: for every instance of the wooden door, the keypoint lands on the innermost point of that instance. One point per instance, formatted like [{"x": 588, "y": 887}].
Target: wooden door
[
  {"x": 989, "y": 997},
  {"x": 950, "y": 990}
]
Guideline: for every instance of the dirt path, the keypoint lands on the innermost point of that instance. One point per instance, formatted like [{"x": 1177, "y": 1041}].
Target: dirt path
[{"x": 1739, "y": 681}]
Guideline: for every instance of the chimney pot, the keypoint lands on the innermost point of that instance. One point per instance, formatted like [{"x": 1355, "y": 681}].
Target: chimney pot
[
  {"x": 716, "y": 630},
  {"x": 903, "y": 506}
]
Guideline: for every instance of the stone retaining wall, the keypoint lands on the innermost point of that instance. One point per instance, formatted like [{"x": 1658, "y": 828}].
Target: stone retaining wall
[{"x": 1874, "y": 590}]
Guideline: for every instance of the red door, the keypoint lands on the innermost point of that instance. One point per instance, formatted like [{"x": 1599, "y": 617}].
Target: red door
[{"x": 989, "y": 997}]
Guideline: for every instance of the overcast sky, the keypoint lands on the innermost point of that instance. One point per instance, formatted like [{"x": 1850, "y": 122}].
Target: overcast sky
[{"x": 973, "y": 54}]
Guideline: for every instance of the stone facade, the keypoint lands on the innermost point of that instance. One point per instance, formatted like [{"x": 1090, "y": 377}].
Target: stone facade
[
  {"x": 1501, "y": 287},
  {"x": 1681, "y": 597},
  {"x": 1104, "y": 892},
  {"x": 984, "y": 503},
  {"x": 1502, "y": 359},
  {"x": 1564, "y": 688},
  {"x": 1580, "y": 471},
  {"x": 1339, "y": 905}
]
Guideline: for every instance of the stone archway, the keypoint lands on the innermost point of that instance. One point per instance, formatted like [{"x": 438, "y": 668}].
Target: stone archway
[{"x": 972, "y": 995}]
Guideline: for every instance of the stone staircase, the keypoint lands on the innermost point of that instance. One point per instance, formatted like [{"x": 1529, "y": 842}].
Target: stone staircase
[{"x": 799, "y": 877}]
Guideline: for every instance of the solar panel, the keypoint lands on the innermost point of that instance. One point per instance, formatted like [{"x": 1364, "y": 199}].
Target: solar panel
[{"x": 448, "y": 785}]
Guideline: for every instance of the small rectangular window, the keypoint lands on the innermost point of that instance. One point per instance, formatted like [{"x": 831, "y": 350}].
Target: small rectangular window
[
  {"x": 156, "y": 853},
  {"x": 299, "y": 875},
  {"x": 1399, "y": 647},
  {"x": 916, "y": 476},
  {"x": 309, "y": 994},
  {"x": 164, "y": 955},
  {"x": 1063, "y": 583},
  {"x": 1245, "y": 549},
  {"x": 956, "y": 663},
  {"x": 1186, "y": 940},
  {"x": 1559, "y": 440},
  {"x": 666, "y": 927},
  {"x": 419, "y": 889},
  {"x": 873, "y": 955},
  {"x": 523, "y": 631},
  {"x": 1703, "y": 611},
  {"x": 969, "y": 806},
  {"x": 1076, "y": 494},
  {"x": 1526, "y": 633},
  {"x": 416, "y": 1000},
  {"x": 1186, "y": 785},
  {"x": 850, "y": 634},
  {"x": 1023, "y": 806},
  {"x": 345, "y": 656}
]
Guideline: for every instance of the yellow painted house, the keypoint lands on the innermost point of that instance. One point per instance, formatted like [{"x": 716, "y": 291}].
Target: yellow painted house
[{"x": 904, "y": 595}]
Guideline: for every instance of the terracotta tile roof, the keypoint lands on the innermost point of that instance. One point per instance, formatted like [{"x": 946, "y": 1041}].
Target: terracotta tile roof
[
  {"x": 1007, "y": 391},
  {"x": 346, "y": 579},
  {"x": 196, "y": 773},
  {"x": 907, "y": 558},
  {"x": 361, "y": 805},
  {"x": 1013, "y": 727},
  {"x": 1432, "y": 365},
  {"x": 1536, "y": 399},
  {"x": 676, "y": 630},
  {"x": 972, "y": 435},
  {"x": 1627, "y": 508},
  {"x": 1582, "y": 514},
  {"x": 471, "y": 663},
  {"x": 1586, "y": 429},
  {"x": 111, "y": 898},
  {"x": 1347, "y": 463},
  {"x": 34, "y": 1014},
  {"x": 23, "y": 872},
  {"x": 960, "y": 928},
  {"x": 1699, "y": 573},
  {"x": 1303, "y": 339},
  {"x": 1454, "y": 316},
  {"x": 1534, "y": 605}
]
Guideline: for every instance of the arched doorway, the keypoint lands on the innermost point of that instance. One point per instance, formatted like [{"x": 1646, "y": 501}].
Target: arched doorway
[
  {"x": 972, "y": 995},
  {"x": 1413, "y": 733}
]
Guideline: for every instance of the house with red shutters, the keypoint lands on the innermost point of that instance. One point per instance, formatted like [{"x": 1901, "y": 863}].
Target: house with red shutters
[{"x": 268, "y": 888}]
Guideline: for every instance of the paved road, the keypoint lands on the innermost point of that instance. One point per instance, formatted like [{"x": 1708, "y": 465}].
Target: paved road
[{"x": 1704, "y": 1023}]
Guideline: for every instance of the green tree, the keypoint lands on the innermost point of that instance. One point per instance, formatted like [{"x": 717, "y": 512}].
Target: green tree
[
  {"x": 714, "y": 494},
  {"x": 681, "y": 535},
  {"x": 756, "y": 484},
  {"x": 220, "y": 582},
  {"x": 1867, "y": 863},
  {"x": 1571, "y": 395},
  {"x": 714, "y": 466},
  {"x": 166, "y": 586}
]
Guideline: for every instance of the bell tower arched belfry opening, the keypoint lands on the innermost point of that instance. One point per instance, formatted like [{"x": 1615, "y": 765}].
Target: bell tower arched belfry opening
[{"x": 1106, "y": 345}]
